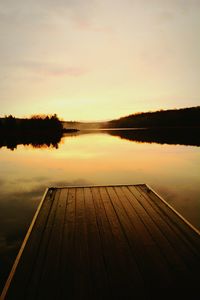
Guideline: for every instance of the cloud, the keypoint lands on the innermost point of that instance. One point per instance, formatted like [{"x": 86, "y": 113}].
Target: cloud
[
  {"x": 53, "y": 70},
  {"x": 47, "y": 14}
]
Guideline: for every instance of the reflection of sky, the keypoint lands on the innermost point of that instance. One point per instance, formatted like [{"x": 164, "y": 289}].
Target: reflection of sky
[{"x": 92, "y": 159}]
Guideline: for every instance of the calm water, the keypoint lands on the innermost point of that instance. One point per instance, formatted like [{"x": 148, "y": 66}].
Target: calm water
[{"x": 95, "y": 158}]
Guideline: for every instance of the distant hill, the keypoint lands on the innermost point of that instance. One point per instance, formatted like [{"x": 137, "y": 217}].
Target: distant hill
[{"x": 185, "y": 117}]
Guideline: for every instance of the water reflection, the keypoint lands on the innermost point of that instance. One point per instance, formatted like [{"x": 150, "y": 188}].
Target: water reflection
[
  {"x": 40, "y": 140},
  {"x": 95, "y": 158},
  {"x": 172, "y": 136},
  {"x": 15, "y": 215}
]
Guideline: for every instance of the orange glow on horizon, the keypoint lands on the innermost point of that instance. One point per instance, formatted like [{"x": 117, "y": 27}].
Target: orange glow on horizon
[{"x": 101, "y": 61}]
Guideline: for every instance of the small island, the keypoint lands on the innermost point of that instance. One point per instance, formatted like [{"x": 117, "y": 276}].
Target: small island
[{"x": 38, "y": 131}]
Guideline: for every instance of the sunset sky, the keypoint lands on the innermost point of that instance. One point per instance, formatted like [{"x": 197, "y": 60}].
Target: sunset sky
[{"x": 98, "y": 59}]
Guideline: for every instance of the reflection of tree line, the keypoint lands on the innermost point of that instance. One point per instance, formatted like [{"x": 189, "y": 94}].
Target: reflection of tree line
[
  {"x": 37, "y": 131},
  {"x": 47, "y": 131},
  {"x": 181, "y": 136}
]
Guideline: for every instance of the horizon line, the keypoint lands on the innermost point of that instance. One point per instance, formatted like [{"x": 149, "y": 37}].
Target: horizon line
[{"x": 98, "y": 121}]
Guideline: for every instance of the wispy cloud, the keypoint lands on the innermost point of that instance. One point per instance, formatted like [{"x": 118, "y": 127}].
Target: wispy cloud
[{"x": 54, "y": 70}]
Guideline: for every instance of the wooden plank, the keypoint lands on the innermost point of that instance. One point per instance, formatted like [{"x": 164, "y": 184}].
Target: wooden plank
[
  {"x": 92, "y": 186},
  {"x": 157, "y": 234},
  {"x": 162, "y": 243},
  {"x": 98, "y": 270},
  {"x": 131, "y": 281},
  {"x": 186, "y": 230},
  {"x": 148, "y": 255},
  {"x": 164, "y": 226},
  {"x": 168, "y": 242},
  {"x": 25, "y": 260},
  {"x": 171, "y": 222},
  {"x": 66, "y": 286},
  {"x": 110, "y": 252},
  {"x": 32, "y": 288},
  {"x": 50, "y": 273},
  {"x": 107, "y": 242},
  {"x": 84, "y": 288}
]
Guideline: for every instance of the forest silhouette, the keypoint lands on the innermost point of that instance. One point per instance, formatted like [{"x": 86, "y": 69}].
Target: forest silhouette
[
  {"x": 185, "y": 117},
  {"x": 38, "y": 131},
  {"x": 177, "y": 126}
]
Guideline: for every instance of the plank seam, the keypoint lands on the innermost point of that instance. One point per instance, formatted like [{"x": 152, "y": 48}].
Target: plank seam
[
  {"x": 175, "y": 211},
  {"x": 145, "y": 225},
  {"x": 159, "y": 227},
  {"x": 126, "y": 238},
  {"x": 62, "y": 238},
  {"x": 135, "y": 230},
  {"x": 170, "y": 222},
  {"x": 38, "y": 249},
  {"x": 100, "y": 238},
  {"x": 47, "y": 245}
]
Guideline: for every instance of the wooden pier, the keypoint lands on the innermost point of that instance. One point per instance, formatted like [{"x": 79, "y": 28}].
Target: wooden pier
[{"x": 106, "y": 242}]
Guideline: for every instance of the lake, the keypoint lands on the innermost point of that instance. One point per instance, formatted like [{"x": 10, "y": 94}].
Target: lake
[{"x": 87, "y": 159}]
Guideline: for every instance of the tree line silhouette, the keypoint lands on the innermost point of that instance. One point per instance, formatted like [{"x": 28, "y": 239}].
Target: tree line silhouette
[
  {"x": 185, "y": 117},
  {"x": 38, "y": 131}
]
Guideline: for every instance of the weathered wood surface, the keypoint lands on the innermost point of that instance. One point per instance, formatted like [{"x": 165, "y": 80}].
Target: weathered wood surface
[{"x": 108, "y": 242}]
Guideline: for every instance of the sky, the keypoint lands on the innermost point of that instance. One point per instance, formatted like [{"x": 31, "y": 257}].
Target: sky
[{"x": 98, "y": 59}]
